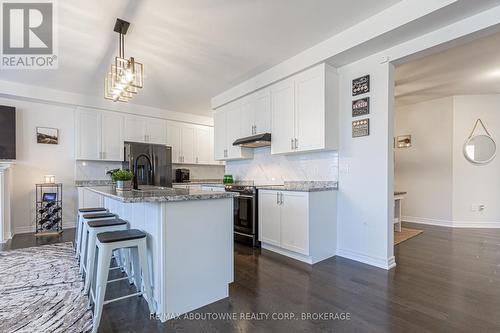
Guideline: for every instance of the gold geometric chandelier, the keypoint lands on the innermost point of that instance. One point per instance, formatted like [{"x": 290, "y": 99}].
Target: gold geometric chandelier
[{"x": 127, "y": 75}]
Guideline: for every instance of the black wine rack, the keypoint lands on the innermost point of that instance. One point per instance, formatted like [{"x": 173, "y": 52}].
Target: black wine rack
[{"x": 49, "y": 208}]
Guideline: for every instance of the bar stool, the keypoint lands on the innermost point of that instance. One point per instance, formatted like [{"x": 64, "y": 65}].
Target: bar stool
[
  {"x": 94, "y": 228},
  {"x": 107, "y": 242},
  {"x": 83, "y": 245},
  {"x": 79, "y": 222}
]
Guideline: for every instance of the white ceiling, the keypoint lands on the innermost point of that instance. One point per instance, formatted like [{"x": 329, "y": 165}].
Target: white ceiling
[
  {"x": 471, "y": 68},
  {"x": 192, "y": 49}
]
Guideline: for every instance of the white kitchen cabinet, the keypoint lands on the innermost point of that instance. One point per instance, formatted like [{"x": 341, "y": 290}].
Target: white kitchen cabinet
[
  {"x": 203, "y": 145},
  {"x": 283, "y": 118},
  {"x": 156, "y": 131},
  {"x": 256, "y": 114},
  {"x": 226, "y": 131},
  {"x": 99, "y": 135},
  {"x": 135, "y": 128},
  {"x": 191, "y": 144},
  {"x": 88, "y": 134},
  {"x": 301, "y": 225},
  {"x": 187, "y": 144},
  {"x": 270, "y": 219},
  {"x": 112, "y": 136},
  {"x": 145, "y": 129},
  {"x": 294, "y": 221},
  {"x": 304, "y": 111},
  {"x": 174, "y": 140}
]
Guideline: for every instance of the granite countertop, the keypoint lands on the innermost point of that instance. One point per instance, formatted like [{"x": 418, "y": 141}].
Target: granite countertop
[
  {"x": 158, "y": 194},
  {"x": 102, "y": 182},
  {"x": 201, "y": 182},
  {"x": 303, "y": 186}
]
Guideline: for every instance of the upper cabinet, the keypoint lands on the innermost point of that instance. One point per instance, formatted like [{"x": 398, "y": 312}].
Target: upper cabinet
[
  {"x": 144, "y": 129},
  {"x": 191, "y": 144},
  {"x": 99, "y": 135},
  {"x": 300, "y": 112},
  {"x": 304, "y": 111},
  {"x": 256, "y": 113},
  {"x": 227, "y": 128}
]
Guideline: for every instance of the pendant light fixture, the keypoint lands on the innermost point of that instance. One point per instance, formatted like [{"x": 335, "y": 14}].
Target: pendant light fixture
[{"x": 127, "y": 75}]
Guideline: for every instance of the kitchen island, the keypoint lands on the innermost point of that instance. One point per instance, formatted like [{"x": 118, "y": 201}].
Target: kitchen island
[{"x": 189, "y": 239}]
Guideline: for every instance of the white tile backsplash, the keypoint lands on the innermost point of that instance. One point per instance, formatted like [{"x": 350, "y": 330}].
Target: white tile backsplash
[
  {"x": 94, "y": 170},
  {"x": 269, "y": 169}
]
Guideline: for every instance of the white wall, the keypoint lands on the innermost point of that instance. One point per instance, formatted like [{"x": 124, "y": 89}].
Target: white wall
[
  {"x": 443, "y": 187},
  {"x": 425, "y": 169},
  {"x": 365, "y": 163},
  {"x": 36, "y": 160},
  {"x": 475, "y": 184},
  {"x": 269, "y": 169}
]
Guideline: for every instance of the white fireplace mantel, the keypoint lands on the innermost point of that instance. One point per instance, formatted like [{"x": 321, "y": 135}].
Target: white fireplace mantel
[{"x": 5, "y": 194}]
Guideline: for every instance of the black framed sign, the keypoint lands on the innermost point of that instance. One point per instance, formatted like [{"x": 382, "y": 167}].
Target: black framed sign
[
  {"x": 361, "y": 85},
  {"x": 361, "y": 107},
  {"x": 361, "y": 128}
]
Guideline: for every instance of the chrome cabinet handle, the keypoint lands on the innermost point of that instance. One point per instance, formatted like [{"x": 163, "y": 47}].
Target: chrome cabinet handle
[
  {"x": 296, "y": 143},
  {"x": 281, "y": 198},
  {"x": 277, "y": 198},
  {"x": 291, "y": 144}
]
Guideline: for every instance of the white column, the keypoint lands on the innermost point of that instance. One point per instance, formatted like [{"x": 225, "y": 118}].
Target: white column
[{"x": 5, "y": 192}]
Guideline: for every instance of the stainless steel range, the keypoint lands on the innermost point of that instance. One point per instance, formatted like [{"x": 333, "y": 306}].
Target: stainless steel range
[{"x": 245, "y": 214}]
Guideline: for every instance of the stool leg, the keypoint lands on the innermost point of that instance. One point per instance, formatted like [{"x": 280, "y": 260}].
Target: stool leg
[
  {"x": 83, "y": 246},
  {"x": 134, "y": 258},
  {"x": 90, "y": 259},
  {"x": 79, "y": 238},
  {"x": 103, "y": 261},
  {"x": 75, "y": 241},
  {"x": 143, "y": 260}
]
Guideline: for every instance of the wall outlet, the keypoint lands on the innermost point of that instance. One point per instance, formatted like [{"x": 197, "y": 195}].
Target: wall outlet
[{"x": 477, "y": 207}]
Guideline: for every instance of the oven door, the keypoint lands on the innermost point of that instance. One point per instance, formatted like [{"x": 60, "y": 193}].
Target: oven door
[{"x": 244, "y": 214}]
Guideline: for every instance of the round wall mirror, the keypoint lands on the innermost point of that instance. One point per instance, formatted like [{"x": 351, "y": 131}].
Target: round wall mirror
[{"x": 480, "y": 149}]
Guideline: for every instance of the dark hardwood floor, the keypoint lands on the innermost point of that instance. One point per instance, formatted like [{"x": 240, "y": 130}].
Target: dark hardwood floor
[{"x": 446, "y": 281}]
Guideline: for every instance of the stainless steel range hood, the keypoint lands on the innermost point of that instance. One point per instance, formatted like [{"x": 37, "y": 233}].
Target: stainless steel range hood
[{"x": 254, "y": 141}]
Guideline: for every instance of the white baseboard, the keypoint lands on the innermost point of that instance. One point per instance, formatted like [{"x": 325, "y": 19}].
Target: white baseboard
[
  {"x": 451, "y": 224},
  {"x": 367, "y": 259},
  {"x": 31, "y": 228}
]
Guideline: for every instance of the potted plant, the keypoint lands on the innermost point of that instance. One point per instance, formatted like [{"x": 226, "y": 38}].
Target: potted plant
[{"x": 123, "y": 179}]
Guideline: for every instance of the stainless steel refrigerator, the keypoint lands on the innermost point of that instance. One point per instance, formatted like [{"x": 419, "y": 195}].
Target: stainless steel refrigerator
[{"x": 150, "y": 163}]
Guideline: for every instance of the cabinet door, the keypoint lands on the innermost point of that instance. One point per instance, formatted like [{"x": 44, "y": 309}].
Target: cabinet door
[
  {"x": 88, "y": 134},
  {"x": 220, "y": 134},
  {"x": 310, "y": 110},
  {"x": 203, "y": 146},
  {"x": 233, "y": 131},
  {"x": 282, "y": 116},
  {"x": 156, "y": 131},
  {"x": 295, "y": 222},
  {"x": 261, "y": 105},
  {"x": 112, "y": 136},
  {"x": 187, "y": 144},
  {"x": 269, "y": 218},
  {"x": 174, "y": 140},
  {"x": 135, "y": 129},
  {"x": 247, "y": 119}
]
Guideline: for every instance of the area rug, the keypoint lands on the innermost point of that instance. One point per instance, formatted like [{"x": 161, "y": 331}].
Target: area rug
[
  {"x": 405, "y": 234},
  {"x": 40, "y": 291}
]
